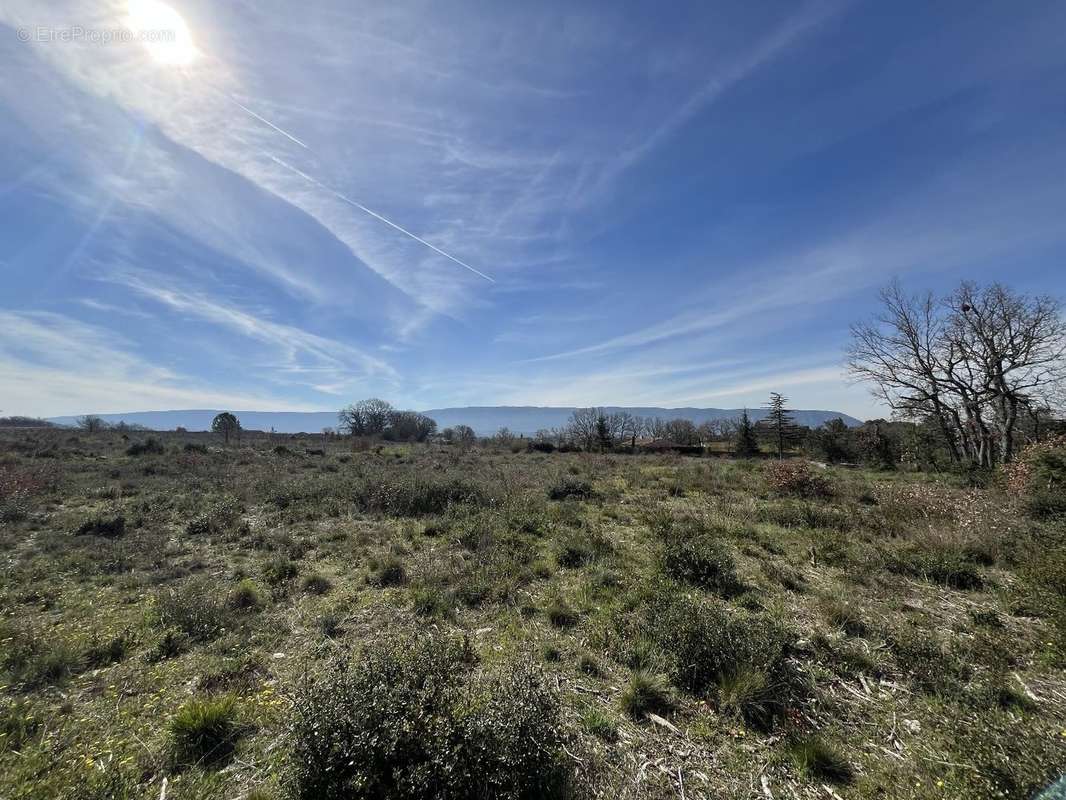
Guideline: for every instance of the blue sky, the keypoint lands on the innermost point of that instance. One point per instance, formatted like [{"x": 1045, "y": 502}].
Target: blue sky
[{"x": 676, "y": 207}]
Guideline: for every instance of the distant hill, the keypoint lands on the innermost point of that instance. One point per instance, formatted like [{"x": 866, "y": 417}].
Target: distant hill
[{"x": 485, "y": 420}]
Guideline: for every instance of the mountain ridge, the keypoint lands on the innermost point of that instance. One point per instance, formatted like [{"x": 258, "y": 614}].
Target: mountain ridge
[{"x": 485, "y": 420}]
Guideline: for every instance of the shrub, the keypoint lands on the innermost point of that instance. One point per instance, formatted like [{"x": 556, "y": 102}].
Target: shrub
[
  {"x": 430, "y": 601},
  {"x": 17, "y": 487},
  {"x": 18, "y": 725},
  {"x": 561, "y": 615},
  {"x": 708, "y": 644},
  {"x": 193, "y": 609},
  {"x": 797, "y": 479},
  {"x": 845, "y": 616},
  {"x": 704, "y": 561},
  {"x": 943, "y": 564},
  {"x": 933, "y": 668},
  {"x": 589, "y": 665},
  {"x": 646, "y": 692},
  {"x": 815, "y": 758},
  {"x": 279, "y": 569},
  {"x": 30, "y": 660},
  {"x": 577, "y": 548},
  {"x": 316, "y": 583},
  {"x": 600, "y": 723},
  {"x": 409, "y": 720},
  {"x": 150, "y": 446},
  {"x": 415, "y": 495},
  {"x": 246, "y": 596},
  {"x": 104, "y": 653},
  {"x": 570, "y": 486},
  {"x": 203, "y": 731},
  {"x": 171, "y": 643},
  {"x": 106, "y": 527},
  {"x": 1038, "y": 475},
  {"x": 692, "y": 554},
  {"x": 389, "y": 572}
]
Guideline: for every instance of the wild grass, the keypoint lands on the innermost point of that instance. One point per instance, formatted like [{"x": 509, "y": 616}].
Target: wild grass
[{"x": 324, "y": 620}]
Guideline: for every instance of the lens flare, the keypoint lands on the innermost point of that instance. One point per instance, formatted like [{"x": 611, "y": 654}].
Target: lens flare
[{"x": 163, "y": 32}]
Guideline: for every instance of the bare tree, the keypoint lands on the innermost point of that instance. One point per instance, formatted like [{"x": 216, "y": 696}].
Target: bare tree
[
  {"x": 581, "y": 427},
  {"x": 409, "y": 426},
  {"x": 365, "y": 418},
  {"x": 972, "y": 363},
  {"x": 681, "y": 431},
  {"x": 1017, "y": 345},
  {"x": 91, "y": 423}
]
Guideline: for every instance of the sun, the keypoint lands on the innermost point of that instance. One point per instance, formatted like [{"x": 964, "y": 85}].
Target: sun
[{"x": 162, "y": 31}]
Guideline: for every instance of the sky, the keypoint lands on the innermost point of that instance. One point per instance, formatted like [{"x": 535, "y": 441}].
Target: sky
[{"x": 293, "y": 206}]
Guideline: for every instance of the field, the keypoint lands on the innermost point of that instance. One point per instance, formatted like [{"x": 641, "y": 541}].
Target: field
[{"x": 293, "y": 616}]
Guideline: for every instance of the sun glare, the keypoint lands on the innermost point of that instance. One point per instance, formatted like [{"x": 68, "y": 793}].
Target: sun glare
[{"x": 162, "y": 31}]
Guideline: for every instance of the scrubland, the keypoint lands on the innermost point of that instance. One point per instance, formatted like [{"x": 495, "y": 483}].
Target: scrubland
[{"x": 295, "y": 617}]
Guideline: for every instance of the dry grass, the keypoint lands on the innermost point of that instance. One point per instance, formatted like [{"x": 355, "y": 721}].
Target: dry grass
[{"x": 890, "y": 635}]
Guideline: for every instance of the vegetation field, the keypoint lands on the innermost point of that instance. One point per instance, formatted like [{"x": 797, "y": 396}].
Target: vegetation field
[{"x": 297, "y": 617}]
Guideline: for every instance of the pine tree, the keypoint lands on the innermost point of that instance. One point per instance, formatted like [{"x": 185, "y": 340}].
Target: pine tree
[
  {"x": 780, "y": 423},
  {"x": 746, "y": 444},
  {"x": 603, "y": 432}
]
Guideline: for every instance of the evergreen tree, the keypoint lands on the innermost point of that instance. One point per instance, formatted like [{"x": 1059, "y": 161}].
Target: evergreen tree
[
  {"x": 746, "y": 445},
  {"x": 226, "y": 424},
  {"x": 603, "y": 432},
  {"x": 780, "y": 423}
]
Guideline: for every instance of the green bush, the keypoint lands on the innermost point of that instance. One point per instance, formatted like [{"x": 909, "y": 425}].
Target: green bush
[
  {"x": 561, "y": 615},
  {"x": 279, "y": 569},
  {"x": 948, "y": 566},
  {"x": 646, "y": 692},
  {"x": 708, "y": 645},
  {"x": 416, "y": 496},
  {"x": 701, "y": 560},
  {"x": 193, "y": 609},
  {"x": 246, "y": 596},
  {"x": 390, "y": 571},
  {"x": 817, "y": 759},
  {"x": 570, "y": 486},
  {"x": 933, "y": 667},
  {"x": 580, "y": 547},
  {"x": 18, "y": 725},
  {"x": 30, "y": 660},
  {"x": 106, "y": 527},
  {"x": 1038, "y": 476},
  {"x": 316, "y": 583},
  {"x": 846, "y": 616},
  {"x": 409, "y": 720},
  {"x": 203, "y": 731},
  {"x": 600, "y": 723},
  {"x": 150, "y": 446}
]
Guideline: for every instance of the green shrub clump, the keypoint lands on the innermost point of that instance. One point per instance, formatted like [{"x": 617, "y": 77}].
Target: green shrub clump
[
  {"x": 409, "y": 720},
  {"x": 709, "y": 647},
  {"x": 204, "y": 732},
  {"x": 694, "y": 555},
  {"x": 570, "y": 486},
  {"x": 948, "y": 566}
]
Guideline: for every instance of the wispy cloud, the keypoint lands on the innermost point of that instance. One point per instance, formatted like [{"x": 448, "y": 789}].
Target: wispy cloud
[
  {"x": 297, "y": 351},
  {"x": 54, "y": 365}
]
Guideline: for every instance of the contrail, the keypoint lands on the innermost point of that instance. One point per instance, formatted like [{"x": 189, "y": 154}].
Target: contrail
[
  {"x": 267, "y": 122},
  {"x": 349, "y": 200},
  {"x": 377, "y": 216}
]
